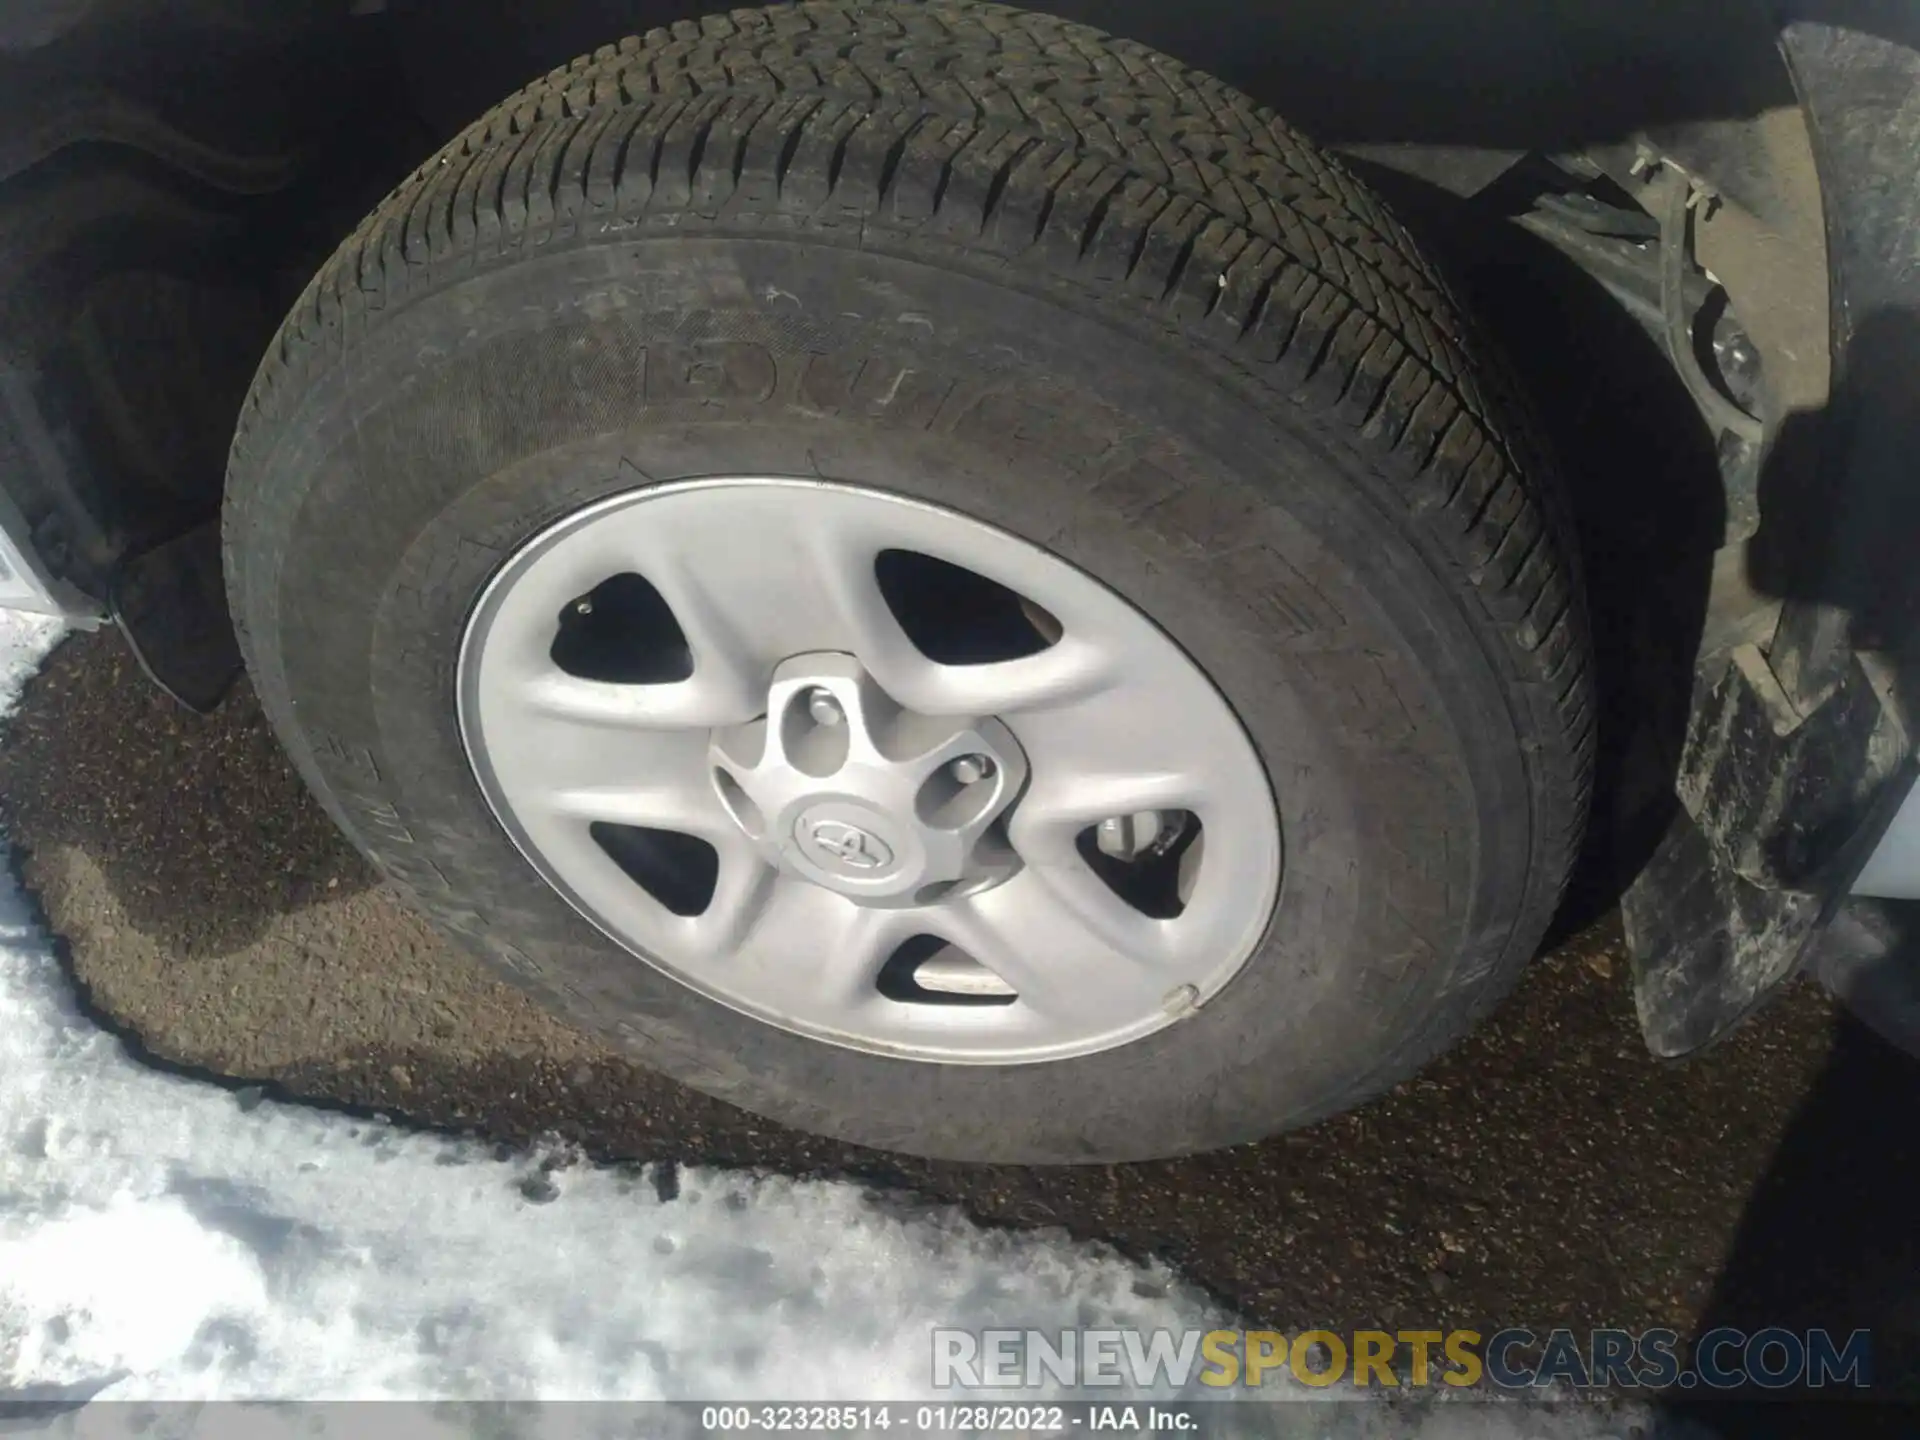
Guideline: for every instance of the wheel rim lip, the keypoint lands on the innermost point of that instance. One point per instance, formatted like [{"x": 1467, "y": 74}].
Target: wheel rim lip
[{"x": 470, "y": 663}]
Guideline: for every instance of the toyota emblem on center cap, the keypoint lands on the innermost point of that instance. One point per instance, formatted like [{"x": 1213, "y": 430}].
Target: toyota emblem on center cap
[{"x": 849, "y": 845}]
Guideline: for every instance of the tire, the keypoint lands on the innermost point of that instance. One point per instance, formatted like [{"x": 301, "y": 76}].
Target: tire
[{"x": 1013, "y": 267}]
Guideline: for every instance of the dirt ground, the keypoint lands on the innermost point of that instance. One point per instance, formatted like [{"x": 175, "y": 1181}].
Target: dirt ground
[{"x": 1546, "y": 1173}]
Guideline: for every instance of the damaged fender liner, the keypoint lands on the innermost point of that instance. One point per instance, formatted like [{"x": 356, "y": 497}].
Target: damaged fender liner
[{"x": 1796, "y": 757}]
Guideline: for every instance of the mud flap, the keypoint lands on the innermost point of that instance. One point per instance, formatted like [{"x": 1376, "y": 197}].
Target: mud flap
[
  {"x": 1780, "y": 802},
  {"x": 171, "y": 604},
  {"x": 1708, "y": 947}
]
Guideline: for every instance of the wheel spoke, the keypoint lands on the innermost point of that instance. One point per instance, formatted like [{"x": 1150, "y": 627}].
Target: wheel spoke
[
  {"x": 555, "y": 753},
  {"x": 1046, "y": 825},
  {"x": 730, "y": 665},
  {"x": 843, "y": 556},
  {"x": 810, "y": 951},
  {"x": 1068, "y": 673},
  {"x": 1070, "y": 950},
  {"x": 685, "y": 804},
  {"x": 743, "y": 896},
  {"x": 840, "y": 555},
  {"x": 686, "y": 705}
]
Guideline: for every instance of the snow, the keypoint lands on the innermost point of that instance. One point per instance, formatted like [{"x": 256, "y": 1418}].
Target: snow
[{"x": 164, "y": 1238}]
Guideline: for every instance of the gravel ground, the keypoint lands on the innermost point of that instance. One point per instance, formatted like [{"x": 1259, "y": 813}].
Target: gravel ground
[{"x": 1545, "y": 1173}]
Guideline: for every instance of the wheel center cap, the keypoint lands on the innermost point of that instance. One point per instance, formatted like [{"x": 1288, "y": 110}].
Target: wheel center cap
[{"x": 846, "y": 789}]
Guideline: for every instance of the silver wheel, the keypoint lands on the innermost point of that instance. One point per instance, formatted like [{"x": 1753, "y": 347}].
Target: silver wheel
[{"x": 869, "y": 770}]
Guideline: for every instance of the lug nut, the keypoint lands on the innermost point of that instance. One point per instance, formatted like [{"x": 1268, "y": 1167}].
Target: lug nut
[
  {"x": 971, "y": 769},
  {"x": 824, "y": 709}
]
